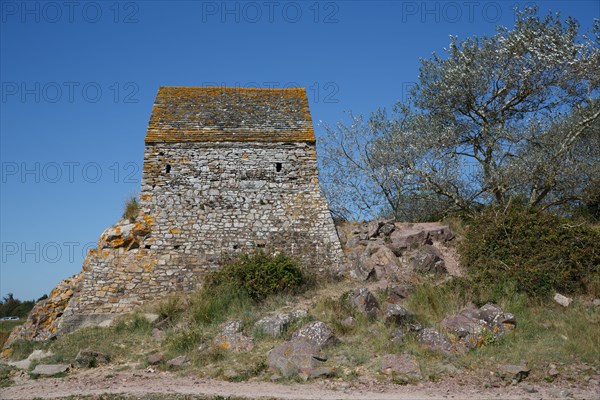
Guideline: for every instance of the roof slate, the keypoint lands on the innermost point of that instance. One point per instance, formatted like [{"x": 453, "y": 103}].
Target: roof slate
[{"x": 183, "y": 114}]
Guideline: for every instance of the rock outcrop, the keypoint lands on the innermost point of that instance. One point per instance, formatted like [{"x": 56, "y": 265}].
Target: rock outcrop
[{"x": 392, "y": 251}]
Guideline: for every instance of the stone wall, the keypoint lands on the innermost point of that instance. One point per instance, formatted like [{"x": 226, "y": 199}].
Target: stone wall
[{"x": 206, "y": 199}]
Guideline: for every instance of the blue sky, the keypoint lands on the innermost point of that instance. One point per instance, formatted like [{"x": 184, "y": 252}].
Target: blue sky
[{"x": 78, "y": 81}]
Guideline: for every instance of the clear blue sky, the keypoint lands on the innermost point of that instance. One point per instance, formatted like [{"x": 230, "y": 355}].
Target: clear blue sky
[{"x": 79, "y": 78}]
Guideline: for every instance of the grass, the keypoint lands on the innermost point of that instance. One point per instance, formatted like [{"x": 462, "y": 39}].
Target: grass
[{"x": 546, "y": 334}]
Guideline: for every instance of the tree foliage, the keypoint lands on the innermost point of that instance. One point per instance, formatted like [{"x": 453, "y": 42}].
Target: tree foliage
[{"x": 514, "y": 115}]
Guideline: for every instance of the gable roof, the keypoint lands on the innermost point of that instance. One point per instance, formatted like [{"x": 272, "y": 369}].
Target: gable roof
[{"x": 197, "y": 114}]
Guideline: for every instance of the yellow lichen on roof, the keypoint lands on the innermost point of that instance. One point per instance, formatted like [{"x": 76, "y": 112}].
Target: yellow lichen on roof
[{"x": 182, "y": 114}]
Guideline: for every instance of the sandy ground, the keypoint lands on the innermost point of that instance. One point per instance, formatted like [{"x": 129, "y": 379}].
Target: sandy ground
[{"x": 140, "y": 383}]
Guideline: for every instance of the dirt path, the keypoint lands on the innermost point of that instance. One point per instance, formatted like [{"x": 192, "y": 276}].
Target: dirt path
[{"x": 140, "y": 383}]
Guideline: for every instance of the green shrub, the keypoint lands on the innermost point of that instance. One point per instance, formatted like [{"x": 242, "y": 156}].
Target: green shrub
[
  {"x": 537, "y": 252},
  {"x": 132, "y": 208},
  {"x": 259, "y": 275}
]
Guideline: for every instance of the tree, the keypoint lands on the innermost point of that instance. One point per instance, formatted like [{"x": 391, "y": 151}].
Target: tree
[{"x": 514, "y": 115}]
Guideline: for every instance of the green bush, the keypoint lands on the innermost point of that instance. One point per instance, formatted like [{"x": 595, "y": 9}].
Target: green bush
[
  {"x": 537, "y": 252},
  {"x": 259, "y": 275}
]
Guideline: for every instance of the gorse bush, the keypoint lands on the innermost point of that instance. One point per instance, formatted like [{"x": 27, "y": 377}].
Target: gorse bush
[
  {"x": 259, "y": 275},
  {"x": 537, "y": 252}
]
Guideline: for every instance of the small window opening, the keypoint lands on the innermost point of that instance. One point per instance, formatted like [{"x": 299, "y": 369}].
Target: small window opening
[
  {"x": 148, "y": 246},
  {"x": 235, "y": 246},
  {"x": 278, "y": 167},
  {"x": 168, "y": 169},
  {"x": 161, "y": 154},
  {"x": 177, "y": 246}
]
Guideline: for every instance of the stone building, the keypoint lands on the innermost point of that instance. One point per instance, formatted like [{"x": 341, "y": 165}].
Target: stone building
[
  {"x": 229, "y": 169},
  {"x": 226, "y": 170}
]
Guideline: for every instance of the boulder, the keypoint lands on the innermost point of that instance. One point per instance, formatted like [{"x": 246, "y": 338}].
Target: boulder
[
  {"x": 91, "y": 358},
  {"x": 471, "y": 324},
  {"x": 397, "y": 293},
  {"x": 397, "y": 315},
  {"x": 295, "y": 357},
  {"x": 428, "y": 260},
  {"x": 275, "y": 325},
  {"x": 387, "y": 229},
  {"x": 124, "y": 234},
  {"x": 562, "y": 300},
  {"x": 178, "y": 361},
  {"x": 365, "y": 302},
  {"x": 232, "y": 338},
  {"x": 359, "y": 268},
  {"x": 385, "y": 264},
  {"x": 438, "y": 342},
  {"x": 155, "y": 358},
  {"x": 317, "y": 333},
  {"x": 401, "y": 365},
  {"x": 50, "y": 369},
  {"x": 349, "y": 322},
  {"x": 514, "y": 372},
  {"x": 464, "y": 323},
  {"x": 373, "y": 228}
]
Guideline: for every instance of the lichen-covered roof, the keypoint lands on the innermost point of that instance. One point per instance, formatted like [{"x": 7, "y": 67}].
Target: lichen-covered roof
[{"x": 184, "y": 114}]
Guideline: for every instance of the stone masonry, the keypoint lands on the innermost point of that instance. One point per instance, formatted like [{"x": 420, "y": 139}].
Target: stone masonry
[{"x": 226, "y": 170}]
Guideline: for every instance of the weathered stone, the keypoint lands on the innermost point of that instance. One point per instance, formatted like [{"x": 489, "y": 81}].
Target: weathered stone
[
  {"x": 428, "y": 260},
  {"x": 50, "y": 369},
  {"x": 178, "y": 361},
  {"x": 438, "y": 342},
  {"x": 387, "y": 228},
  {"x": 91, "y": 358},
  {"x": 276, "y": 324},
  {"x": 373, "y": 228},
  {"x": 562, "y": 300},
  {"x": 320, "y": 372},
  {"x": 294, "y": 357},
  {"x": 317, "y": 333},
  {"x": 352, "y": 241},
  {"x": 398, "y": 293},
  {"x": 514, "y": 372},
  {"x": 36, "y": 355},
  {"x": 385, "y": 264},
  {"x": 365, "y": 302},
  {"x": 401, "y": 365},
  {"x": 396, "y": 314},
  {"x": 349, "y": 322},
  {"x": 232, "y": 338},
  {"x": 155, "y": 358},
  {"x": 462, "y": 325},
  {"x": 360, "y": 268}
]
